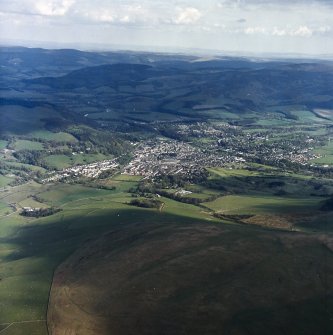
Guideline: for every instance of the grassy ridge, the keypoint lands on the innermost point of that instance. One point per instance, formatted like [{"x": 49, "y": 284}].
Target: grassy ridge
[
  {"x": 236, "y": 204},
  {"x": 31, "y": 249},
  {"x": 197, "y": 279}
]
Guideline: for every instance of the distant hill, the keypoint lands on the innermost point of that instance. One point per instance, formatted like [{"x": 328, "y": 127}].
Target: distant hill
[
  {"x": 132, "y": 87},
  {"x": 104, "y": 75},
  {"x": 245, "y": 85},
  {"x": 22, "y": 62}
]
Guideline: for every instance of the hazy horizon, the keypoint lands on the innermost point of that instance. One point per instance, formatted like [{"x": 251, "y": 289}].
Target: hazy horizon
[{"x": 91, "y": 47}]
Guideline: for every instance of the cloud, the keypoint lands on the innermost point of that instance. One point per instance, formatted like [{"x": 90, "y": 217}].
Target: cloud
[
  {"x": 53, "y": 7},
  {"x": 37, "y": 7},
  {"x": 324, "y": 29},
  {"x": 224, "y": 3},
  {"x": 278, "y": 32},
  {"x": 232, "y": 24},
  {"x": 255, "y": 30},
  {"x": 302, "y": 31},
  {"x": 99, "y": 16},
  {"x": 118, "y": 14},
  {"x": 188, "y": 15}
]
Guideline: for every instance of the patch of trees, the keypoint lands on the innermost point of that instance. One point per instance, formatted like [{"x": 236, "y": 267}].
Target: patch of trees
[
  {"x": 105, "y": 142},
  {"x": 216, "y": 184},
  {"x": 32, "y": 157},
  {"x": 146, "y": 189},
  {"x": 106, "y": 187},
  {"x": 37, "y": 198},
  {"x": 55, "y": 123},
  {"x": 170, "y": 132},
  {"x": 274, "y": 184},
  {"x": 187, "y": 200},
  {"x": 288, "y": 115},
  {"x": 106, "y": 174},
  {"x": 39, "y": 212},
  {"x": 146, "y": 203},
  {"x": 327, "y": 205},
  {"x": 124, "y": 159},
  {"x": 168, "y": 180},
  {"x": 231, "y": 217},
  {"x": 93, "y": 184}
]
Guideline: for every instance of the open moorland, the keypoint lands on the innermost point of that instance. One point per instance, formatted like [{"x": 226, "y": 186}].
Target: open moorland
[{"x": 197, "y": 279}]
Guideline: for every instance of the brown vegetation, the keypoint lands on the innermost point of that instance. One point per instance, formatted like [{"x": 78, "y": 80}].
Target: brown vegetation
[{"x": 203, "y": 279}]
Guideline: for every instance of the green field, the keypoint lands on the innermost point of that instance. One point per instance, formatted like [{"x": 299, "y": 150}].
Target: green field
[
  {"x": 27, "y": 145},
  {"x": 235, "y": 204},
  {"x": 79, "y": 159},
  {"x": 32, "y": 248},
  {"x": 4, "y": 209},
  {"x": 3, "y": 144},
  {"x": 16, "y": 165},
  {"x": 4, "y": 181},
  {"x": 58, "y": 161},
  {"x": 50, "y": 136},
  {"x": 239, "y": 172},
  {"x": 327, "y": 154},
  {"x": 126, "y": 178}
]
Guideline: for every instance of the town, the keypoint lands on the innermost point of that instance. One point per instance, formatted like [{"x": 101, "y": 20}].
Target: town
[
  {"x": 92, "y": 170},
  {"x": 190, "y": 148}
]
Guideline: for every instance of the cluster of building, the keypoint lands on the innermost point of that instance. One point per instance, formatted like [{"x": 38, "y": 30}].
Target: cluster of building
[
  {"x": 92, "y": 170},
  {"x": 202, "y": 129},
  {"x": 173, "y": 157},
  {"x": 226, "y": 144},
  {"x": 232, "y": 144}
]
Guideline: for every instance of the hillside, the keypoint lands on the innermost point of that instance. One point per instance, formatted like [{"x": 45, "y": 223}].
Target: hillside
[{"x": 203, "y": 279}]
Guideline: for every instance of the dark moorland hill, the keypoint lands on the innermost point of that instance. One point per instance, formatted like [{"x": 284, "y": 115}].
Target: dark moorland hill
[{"x": 202, "y": 279}]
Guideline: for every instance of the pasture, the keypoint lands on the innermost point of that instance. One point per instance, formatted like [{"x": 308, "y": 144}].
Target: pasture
[
  {"x": 27, "y": 145},
  {"x": 249, "y": 204},
  {"x": 327, "y": 154},
  {"x": 52, "y": 136},
  {"x": 31, "y": 249},
  {"x": 3, "y": 144},
  {"x": 58, "y": 162}
]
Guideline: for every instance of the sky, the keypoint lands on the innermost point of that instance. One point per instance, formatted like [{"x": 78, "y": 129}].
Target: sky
[{"x": 253, "y": 26}]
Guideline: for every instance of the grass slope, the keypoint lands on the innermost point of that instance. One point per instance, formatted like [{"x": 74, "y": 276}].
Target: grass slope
[
  {"x": 31, "y": 249},
  {"x": 197, "y": 279}
]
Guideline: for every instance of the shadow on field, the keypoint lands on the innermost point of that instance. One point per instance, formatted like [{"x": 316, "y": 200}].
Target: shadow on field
[
  {"x": 270, "y": 183},
  {"x": 31, "y": 252},
  {"x": 59, "y": 234},
  {"x": 188, "y": 277},
  {"x": 309, "y": 316},
  {"x": 137, "y": 271}
]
